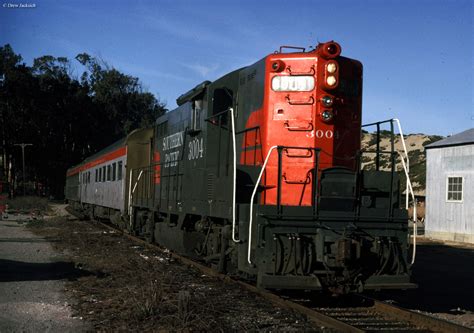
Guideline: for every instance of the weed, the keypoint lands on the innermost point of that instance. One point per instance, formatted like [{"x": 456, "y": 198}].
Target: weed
[
  {"x": 28, "y": 203},
  {"x": 149, "y": 299}
]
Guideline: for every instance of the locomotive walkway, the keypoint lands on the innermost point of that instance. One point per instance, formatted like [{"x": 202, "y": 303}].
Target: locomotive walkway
[{"x": 31, "y": 281}]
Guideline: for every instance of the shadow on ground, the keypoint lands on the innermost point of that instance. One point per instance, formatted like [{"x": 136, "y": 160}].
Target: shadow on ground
[
  {"x": 27, "y": 240},
  {"x": 11, "y": 270},
  {"x": 444, "y": 275}
]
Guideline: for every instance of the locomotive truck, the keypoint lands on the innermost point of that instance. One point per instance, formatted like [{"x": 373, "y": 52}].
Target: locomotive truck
[{"x": 259, "y": 175}]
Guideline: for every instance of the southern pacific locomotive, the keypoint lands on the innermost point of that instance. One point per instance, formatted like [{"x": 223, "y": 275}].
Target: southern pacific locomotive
[{"x": 259, "y": 174}]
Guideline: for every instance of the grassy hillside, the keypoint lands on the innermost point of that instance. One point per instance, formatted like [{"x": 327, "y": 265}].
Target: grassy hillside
[{"x": 415, "y": 144}]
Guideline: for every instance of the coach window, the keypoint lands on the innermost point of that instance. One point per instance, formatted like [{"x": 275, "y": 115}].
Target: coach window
[
  {"x": 114, "y": 171},
  {"x": 222, "y": 100},
  {"x": 108, "y": 172},
  {"x": 119, "y": 171},
  {"x": 96, "y": 175},
  {"x": 103, "y": 173}
]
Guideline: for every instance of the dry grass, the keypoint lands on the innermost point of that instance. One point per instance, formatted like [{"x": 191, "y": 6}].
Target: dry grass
[
  {"x": 158, "y": 300},
  {"x": 28, "y": 204},
  {"x": 135, "y": 288},
  {"x": 149, "y": 299}
]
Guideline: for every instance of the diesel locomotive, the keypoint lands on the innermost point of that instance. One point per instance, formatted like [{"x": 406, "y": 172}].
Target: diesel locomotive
[{"x": 259, "y": 175}]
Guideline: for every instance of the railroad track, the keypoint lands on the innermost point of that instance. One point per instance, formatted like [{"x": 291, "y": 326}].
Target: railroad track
[{"x": 362, "y": 314}]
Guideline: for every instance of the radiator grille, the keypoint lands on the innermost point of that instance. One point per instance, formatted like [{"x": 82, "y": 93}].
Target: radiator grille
[{"x": 210, "y": 186}]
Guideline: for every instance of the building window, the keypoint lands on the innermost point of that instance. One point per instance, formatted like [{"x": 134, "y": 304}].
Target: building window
[{"x": 454, "y": 190}]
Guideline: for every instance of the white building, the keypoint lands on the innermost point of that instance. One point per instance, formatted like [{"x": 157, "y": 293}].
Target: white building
[{"x": 450, "y": 188}]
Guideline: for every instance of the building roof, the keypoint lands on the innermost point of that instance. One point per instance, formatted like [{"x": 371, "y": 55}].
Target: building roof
[{"x": 463, "y": 138}]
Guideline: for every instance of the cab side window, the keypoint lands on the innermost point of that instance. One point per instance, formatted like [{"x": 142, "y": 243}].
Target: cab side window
[
  {"x": 196, "y": 115},
  {"x": 221, "y": 101}
]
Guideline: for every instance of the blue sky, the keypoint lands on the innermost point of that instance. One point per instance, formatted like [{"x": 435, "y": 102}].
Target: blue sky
[{"x": 417, "y": 55}]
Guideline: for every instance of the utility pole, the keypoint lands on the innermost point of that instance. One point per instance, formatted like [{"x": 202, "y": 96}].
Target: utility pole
[{"x": 23, "y": 145}]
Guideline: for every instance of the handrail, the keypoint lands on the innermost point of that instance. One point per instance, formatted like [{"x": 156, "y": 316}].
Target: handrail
[
  {"x": 234, "y": 171},
  {"x": 409, "y": 188},
  {"x": 219, "y": 114},
  {"x": 310, "y": 101},
  {"x": 234, "y": 166},
  {"x": 378, "y": 122},
  {"x": 280, "y": 176},
  {"x": 130, "y": 194},
  {"x": 406, "y": 156},
  {"x": 406, "y": 168},
  {"x": 252, "y": 198},
  {"x": 414, "y": 209},
  {"x": 291, "y": 47}
]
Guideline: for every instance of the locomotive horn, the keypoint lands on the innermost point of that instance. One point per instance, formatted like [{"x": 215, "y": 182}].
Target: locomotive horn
[{"x": 329, "y": 50}]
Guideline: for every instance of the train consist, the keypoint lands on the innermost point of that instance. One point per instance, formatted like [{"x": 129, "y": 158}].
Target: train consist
[{"x": 259, "y": 174}]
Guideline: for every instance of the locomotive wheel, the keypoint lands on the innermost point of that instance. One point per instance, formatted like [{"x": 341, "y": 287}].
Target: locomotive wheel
[{"x": 150, "y": 230}]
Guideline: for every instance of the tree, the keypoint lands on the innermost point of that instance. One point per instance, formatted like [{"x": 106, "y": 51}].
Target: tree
[
  {"x": 66, "y": 118},
  {"x": 120, "y": 96}
]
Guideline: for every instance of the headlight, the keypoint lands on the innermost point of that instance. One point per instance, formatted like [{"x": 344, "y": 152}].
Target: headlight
[
  {"x": 292, "y": 83},
  {"x": 327, "y": 115},
  {"x": 331, "y": 80},
  {"x": 327, "y": 101},
  {"x": 331, "y": 67}
]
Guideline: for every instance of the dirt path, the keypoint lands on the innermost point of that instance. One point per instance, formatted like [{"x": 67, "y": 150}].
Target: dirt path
[
  {"x": 32, "y": 278},
  {"x": 60, "y": 210}
]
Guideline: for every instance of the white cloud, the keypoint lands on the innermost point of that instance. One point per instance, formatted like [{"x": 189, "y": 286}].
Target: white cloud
[{"x": 202, "y": 70}]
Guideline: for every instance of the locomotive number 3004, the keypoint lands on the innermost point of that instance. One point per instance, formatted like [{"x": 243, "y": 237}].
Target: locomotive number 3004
[{"x": 196, "y": 149}]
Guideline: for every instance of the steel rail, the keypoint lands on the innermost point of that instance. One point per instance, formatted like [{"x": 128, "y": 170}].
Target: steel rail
[{"x": 418, "y": 319}]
